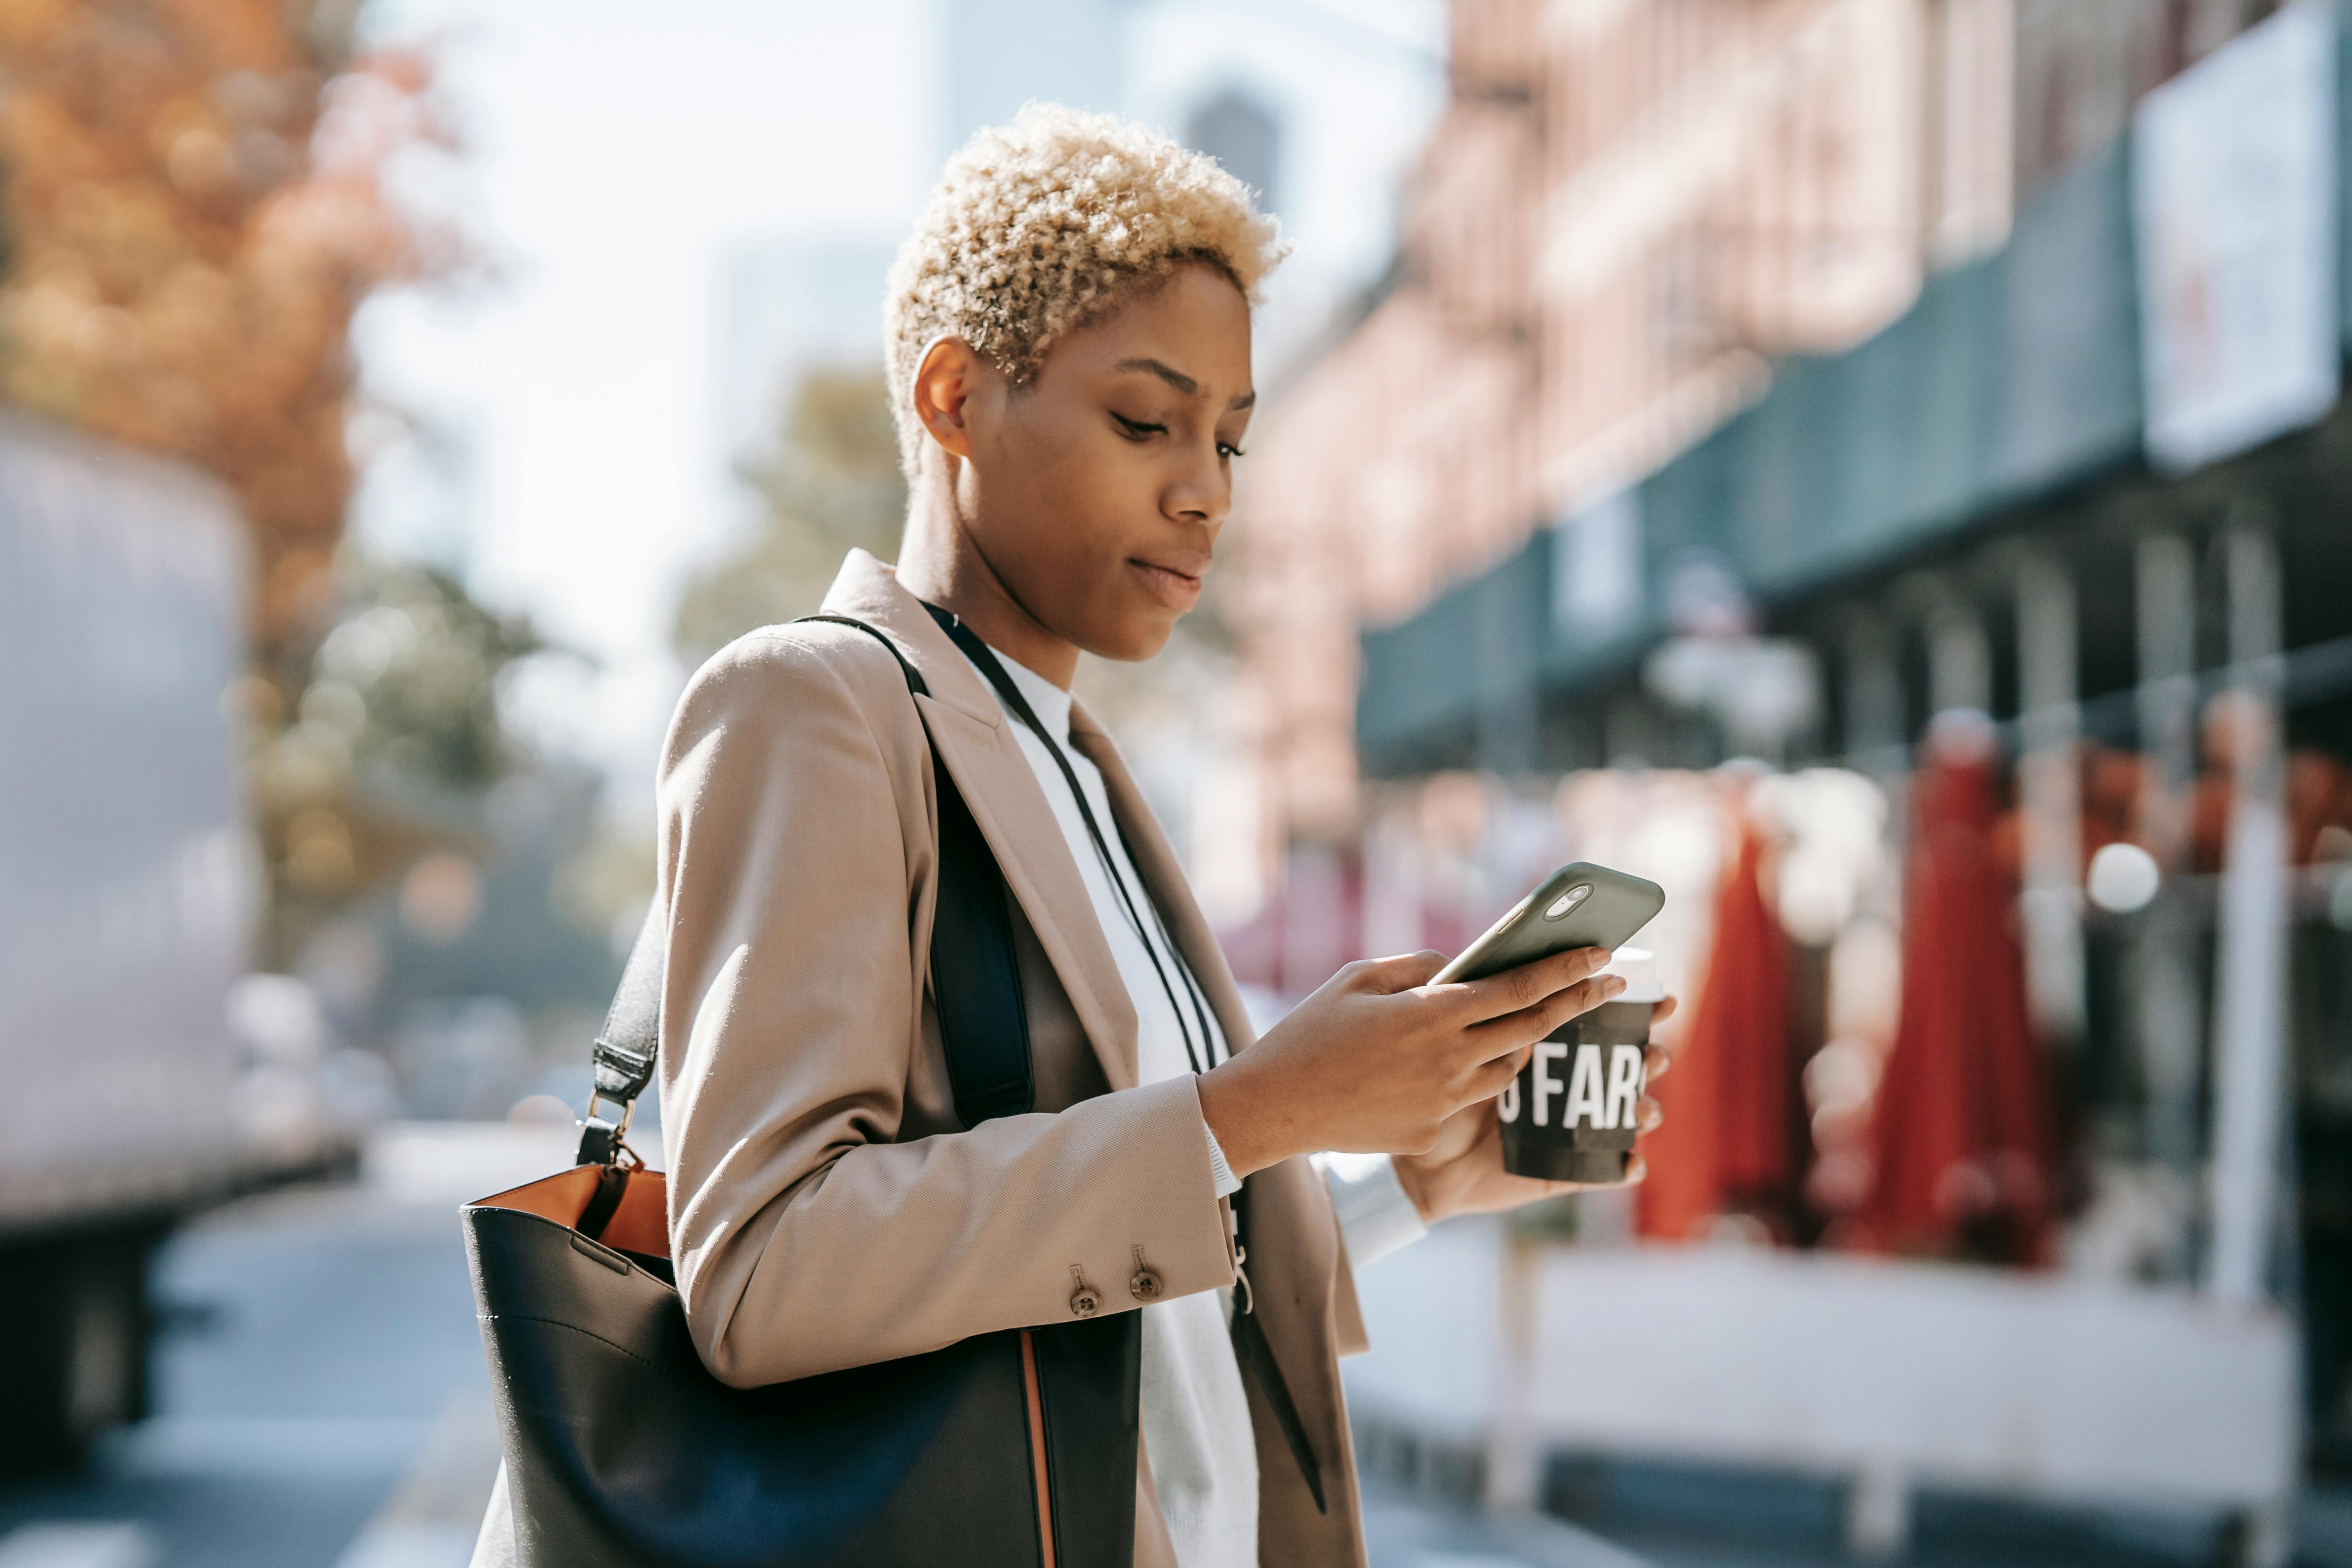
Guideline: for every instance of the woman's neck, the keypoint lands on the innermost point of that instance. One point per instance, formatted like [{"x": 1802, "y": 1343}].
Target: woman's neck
[{"x": 939, "y": 561}]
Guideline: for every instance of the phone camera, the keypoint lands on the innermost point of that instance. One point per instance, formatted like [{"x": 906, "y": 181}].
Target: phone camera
[{"x": 1568, "y": 900}]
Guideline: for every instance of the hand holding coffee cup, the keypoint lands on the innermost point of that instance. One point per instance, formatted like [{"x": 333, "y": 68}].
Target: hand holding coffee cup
[
  {"x": 1573, "y": 1111},
  {"x": 1465, "y": 1172},
  {"x": 1383, "y": 1059}
]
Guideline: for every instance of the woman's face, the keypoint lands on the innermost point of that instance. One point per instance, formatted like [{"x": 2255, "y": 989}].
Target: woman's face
[{"x": 1096, "y": 492}]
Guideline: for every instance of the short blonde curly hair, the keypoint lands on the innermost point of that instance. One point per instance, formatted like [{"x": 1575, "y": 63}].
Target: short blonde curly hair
[{"x": 1038, "y": 226}]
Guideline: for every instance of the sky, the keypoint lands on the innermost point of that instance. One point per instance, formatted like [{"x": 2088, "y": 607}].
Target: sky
[
  {"x": 612, "y": 151},
  {"x": 615, "y": 156}
]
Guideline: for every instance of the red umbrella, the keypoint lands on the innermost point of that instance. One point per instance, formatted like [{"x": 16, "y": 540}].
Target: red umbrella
[
  {"x": 1963, "y": 1125},
  {"x": 1726, "y": 1142}
]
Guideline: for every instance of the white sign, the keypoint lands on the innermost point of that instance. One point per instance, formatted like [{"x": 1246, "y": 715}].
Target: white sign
[{"x": 2235, "y": 212}]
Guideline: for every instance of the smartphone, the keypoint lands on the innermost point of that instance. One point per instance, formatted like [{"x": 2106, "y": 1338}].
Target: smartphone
[{"x": 1580, "y": 905}]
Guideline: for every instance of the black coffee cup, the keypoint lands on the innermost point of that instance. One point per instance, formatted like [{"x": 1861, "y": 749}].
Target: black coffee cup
[{"x": 1571, "y": 1114}]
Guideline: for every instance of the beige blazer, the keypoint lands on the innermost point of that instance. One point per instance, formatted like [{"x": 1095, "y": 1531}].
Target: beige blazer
[{"x": 826, "y": 1208}]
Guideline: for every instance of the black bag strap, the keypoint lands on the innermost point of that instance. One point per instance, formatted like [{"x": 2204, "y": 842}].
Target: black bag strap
[
  {"x": 623, "y": 1055},
  {"x": 975, "y": 983}
]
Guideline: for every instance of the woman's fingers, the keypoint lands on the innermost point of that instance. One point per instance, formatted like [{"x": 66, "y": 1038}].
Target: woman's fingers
[
  {"x": 1648, "y": 1115},
  {"x": 1663, "y": 1010},
  {"x": 1534, "y": 1023},
  {"x": 1488, "y": 1079},
  {"x": 1516, "y": 990},
  {"x": 1636, "y": 1169},
  {"x": 1656, "y": 1061}
]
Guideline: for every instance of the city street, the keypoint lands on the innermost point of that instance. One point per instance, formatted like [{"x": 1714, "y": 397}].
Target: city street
[
  {"x": 321, "y": 1395},
  {"x": 321, "y": 1404},
  {"x": 321, "y": 1400},
  {"x": 1840, "y": 503}
]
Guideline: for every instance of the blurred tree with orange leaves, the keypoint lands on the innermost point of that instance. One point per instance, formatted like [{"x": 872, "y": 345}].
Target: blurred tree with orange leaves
[
  {"x": 195, "y": 196},
  {"x": 195, "y": 201}
]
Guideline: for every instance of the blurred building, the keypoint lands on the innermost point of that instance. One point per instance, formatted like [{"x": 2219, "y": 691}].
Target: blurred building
[
  {"x": 1624, "y": 212},
  {"x": 1626, "y": 217},
  {"x": 1948, "y": 394}
]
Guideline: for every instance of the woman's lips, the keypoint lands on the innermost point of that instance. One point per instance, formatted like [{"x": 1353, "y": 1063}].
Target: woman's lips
[{"x": 1178, "y": 591}]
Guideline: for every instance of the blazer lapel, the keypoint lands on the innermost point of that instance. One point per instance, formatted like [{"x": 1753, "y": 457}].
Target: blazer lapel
[{"x": 976, "y": 742}]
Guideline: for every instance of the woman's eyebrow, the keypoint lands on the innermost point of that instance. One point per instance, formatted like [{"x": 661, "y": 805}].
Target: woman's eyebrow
[
  {"x": 1182, "y": 383},
  {"x": 1167, "y": 372}
]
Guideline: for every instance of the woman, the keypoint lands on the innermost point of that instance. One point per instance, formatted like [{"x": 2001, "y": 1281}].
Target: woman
[{"x": 1068, "y": 333}]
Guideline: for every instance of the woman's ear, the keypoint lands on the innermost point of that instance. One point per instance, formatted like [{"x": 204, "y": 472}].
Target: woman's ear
[{"x": 944, "y": 384}]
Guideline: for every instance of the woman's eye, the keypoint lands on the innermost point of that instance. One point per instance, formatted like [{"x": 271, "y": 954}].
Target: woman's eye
[
  {"x": 1228, "y": 451},
  {"x": 1136, "y": 430}
]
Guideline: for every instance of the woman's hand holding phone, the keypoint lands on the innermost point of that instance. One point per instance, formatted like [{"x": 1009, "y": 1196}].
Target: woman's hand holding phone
[{"x": 1381, "y": 1061}]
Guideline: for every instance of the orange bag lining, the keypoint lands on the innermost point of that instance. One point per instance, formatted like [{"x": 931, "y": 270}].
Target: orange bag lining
[{"x": 640, "y": 1225}]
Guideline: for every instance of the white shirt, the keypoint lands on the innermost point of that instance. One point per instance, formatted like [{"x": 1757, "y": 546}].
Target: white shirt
[{"x": 1195, "y": 1416}]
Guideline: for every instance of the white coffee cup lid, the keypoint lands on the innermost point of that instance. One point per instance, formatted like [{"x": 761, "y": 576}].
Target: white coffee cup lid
[{"x": 1638, "y": 966}]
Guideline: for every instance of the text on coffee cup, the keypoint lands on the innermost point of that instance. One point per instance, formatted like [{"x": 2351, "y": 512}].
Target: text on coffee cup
[{"x": 1589, "y": 1101}]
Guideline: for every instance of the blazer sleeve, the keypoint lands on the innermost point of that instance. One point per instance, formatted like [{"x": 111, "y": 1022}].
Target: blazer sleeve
[{"x": 805, "y": 1236}]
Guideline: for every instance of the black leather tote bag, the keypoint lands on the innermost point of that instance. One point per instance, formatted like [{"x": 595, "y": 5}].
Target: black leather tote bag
[{"x": 1014, "y": 1449}]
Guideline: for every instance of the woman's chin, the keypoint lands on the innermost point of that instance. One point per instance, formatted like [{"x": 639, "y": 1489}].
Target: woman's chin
[{"x": 1138, "y": 635}]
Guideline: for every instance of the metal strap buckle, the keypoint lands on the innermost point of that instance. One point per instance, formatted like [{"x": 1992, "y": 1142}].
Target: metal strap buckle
[{"x": 604, "y": 1143}]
